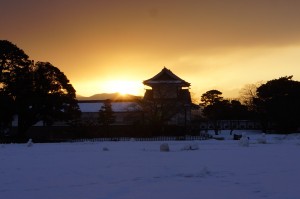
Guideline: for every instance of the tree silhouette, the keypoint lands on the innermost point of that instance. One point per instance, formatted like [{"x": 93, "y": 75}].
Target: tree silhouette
[
  {"x": 12, "y": 60},
  {"x": 106, "y": 114},
  {"x": 54, "y": 96},
  {"x": 6, "y": 113},
  {"x": 278, "y": 103},
  {"x": 211, "y": 97},
  {"x": 159, "y": 109},
  {"x": 215, "y": 109},
  {"x": 39, "y": 91},
  {"x": 248, "y": 93},
  {"x": 16, "y": 79}
]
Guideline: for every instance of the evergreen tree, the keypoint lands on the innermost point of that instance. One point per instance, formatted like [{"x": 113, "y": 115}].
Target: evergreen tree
[
  {"x": 7, "y": 112},
  {"x": 211, "y": 97},
  {"x": 54, "y": 96},
  {"x": 216, "y": 108},
  {"x": 106, "y": 114},
  {"x": 278, "y": 103},
  {"x": 36, "y": 91}
]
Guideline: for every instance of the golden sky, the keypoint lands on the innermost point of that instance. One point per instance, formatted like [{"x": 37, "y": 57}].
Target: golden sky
[{"x": 113, "y": 45}]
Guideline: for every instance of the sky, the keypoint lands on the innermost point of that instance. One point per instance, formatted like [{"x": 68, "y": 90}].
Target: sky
[{"x": 106, "y": 46}]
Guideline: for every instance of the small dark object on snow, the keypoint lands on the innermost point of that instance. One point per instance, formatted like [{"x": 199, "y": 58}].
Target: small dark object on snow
[
  {"x": 105, "y": 149},
  {"x": 164, "y": 147},
  {"x": 237, "y": 137}
]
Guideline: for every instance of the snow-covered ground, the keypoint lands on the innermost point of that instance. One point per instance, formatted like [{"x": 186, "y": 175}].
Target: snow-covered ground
[{"x": 219, "y": 169}]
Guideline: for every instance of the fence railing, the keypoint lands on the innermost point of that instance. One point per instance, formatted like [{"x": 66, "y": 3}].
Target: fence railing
[
  {"x": 107, "y": 139},
  {"x": 160, "y": 138}
]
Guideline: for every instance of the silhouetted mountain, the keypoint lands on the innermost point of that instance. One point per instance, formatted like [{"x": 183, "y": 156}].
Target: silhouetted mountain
[{"x": 111, "y": 96}]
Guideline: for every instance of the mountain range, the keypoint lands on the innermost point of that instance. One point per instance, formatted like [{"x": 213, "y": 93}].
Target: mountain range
[{"x": 111, "y": 96}]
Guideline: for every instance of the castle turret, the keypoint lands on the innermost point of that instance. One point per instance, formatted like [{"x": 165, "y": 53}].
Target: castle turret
[
  {"x": 170, "y": 97},
  {"x": 167, "y": 85}
]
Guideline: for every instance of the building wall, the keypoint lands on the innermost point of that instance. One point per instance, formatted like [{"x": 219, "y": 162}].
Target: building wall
[
  {"x": 165, "y": 91},
  {"x": 121, "y": 118}
]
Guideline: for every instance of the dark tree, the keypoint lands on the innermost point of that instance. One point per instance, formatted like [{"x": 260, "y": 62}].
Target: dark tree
[
  {"x": 12, "y": 61},
  {"x": 7, "y": 112},
  {"x": 215, "y": 109},
  {"x": 278, "y": 103},
  {"x": 160, "y": 110},
  {"x": 211, "y": 97},
  {"x": 236, "y": 111},
  {"x": 54, "y": 96},
  {"x": 215, "y": 113},
  {"x": 15, "y": 78},
  {"x": 39, "y": 92},
  {"x": 106, "y": 114}
]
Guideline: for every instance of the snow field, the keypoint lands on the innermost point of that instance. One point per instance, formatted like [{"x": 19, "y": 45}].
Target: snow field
[{"x": 217, "y": 170}]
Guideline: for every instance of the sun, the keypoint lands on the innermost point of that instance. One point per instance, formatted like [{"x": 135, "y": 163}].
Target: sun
[{"x": 124, "y": 87}]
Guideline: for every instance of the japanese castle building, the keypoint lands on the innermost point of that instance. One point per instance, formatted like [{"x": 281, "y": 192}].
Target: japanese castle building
[{"x": 170, "y": 97}]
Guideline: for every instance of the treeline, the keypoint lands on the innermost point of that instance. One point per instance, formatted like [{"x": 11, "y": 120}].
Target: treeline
[{"x": 275, "y": 104}]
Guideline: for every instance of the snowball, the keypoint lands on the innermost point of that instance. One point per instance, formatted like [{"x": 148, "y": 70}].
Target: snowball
[{"x": 164, "y": 147}]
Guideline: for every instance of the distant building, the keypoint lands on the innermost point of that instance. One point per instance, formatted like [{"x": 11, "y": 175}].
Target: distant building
[{"x": 125, "y": 112}]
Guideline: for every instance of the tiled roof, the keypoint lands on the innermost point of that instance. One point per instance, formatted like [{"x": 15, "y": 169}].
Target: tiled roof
[{"x": 166, "y": 76}]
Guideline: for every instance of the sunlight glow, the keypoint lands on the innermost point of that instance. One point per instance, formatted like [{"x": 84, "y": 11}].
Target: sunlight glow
[{"x": 124, "y": 87}]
